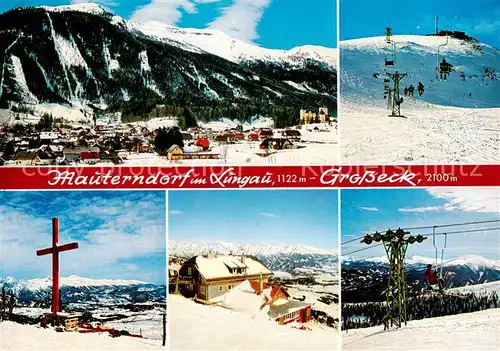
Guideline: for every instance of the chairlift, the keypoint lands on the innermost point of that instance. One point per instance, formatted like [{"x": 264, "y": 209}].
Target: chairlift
[
  {"x": 436, "y": 251},
  {"x": 389, "y": 62},
  {"x": 445, "y": 67}
]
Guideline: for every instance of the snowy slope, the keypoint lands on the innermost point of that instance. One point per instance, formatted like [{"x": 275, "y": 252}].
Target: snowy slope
[
  {"x": 234, "y": 50},
  {"x": 216, "y": 328},
  {"x": 211, "y": 41},
  {"x": 417, "y": 56},
  {"x": 15, "y": 336},
  {"x": 429, "y": 134},
  {"x": 469, "y": 331},
  {"x": 188, "y": 248},
  {"x": 480, "y": 289},
  {"x": 454, "y": 121}
]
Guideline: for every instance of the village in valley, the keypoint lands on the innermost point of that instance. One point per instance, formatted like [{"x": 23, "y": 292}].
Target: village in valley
[
  {"x": 105, "y": 140},
  {"x": 287, "y": 292}
]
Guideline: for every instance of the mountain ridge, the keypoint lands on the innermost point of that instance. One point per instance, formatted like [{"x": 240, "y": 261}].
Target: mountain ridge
[
  {"x": 189, "y": 248},
  {"x": 87, "y": 58}
]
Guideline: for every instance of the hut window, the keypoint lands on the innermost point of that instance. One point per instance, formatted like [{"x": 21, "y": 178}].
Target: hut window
[
  {"x": 292, "y": 315},
  {"x": 221, "y": 288},
  {"x": 202, "y": 290},
  {"x": 190, "y": 271},
  {"x": 230, "y": 286}
]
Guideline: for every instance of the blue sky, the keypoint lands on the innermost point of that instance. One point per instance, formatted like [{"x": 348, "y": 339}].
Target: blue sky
[
  {"x": 368, "y": 18},
  {"x": 121, "y": 234},
  {"x": 274, "y": 24},
  {"x": 255, "y": 217},
  {"x": 369, "y": 210}
]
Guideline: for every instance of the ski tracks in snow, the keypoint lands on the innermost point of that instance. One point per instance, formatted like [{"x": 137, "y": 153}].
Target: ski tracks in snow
[
  {"x": 427, "y": 134},
  {"x": 469, "y": 331}
]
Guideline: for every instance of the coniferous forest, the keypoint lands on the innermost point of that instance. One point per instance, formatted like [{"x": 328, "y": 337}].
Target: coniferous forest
[{"x": 370, "y": 314}]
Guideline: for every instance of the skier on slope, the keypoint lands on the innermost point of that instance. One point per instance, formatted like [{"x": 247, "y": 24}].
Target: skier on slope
[
  {"x": 411, "y": 90},
  {"x": 420, "y": 88}
]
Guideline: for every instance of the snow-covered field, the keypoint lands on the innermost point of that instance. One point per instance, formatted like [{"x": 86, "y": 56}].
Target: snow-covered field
[
  {"x": 147, "y": 323},
  {"x": 468, "y": 331},
  {"x": 198, "y": 327},
  {"x": 316, "y": 148},
  {"x": 15, "y": 336},
  {"x": 454, "y": 121},
  {"x": 428, "y": 134}
]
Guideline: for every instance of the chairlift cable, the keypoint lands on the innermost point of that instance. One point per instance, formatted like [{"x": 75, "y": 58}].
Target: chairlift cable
[
  {"x": 427, "y": 235},
  {"x": 428, "y": 227}
]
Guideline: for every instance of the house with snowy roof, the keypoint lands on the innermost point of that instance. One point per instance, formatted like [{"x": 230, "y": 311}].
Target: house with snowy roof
[
  {"x": 209, "y": 276},
  {"x": 281, "y": 307}
]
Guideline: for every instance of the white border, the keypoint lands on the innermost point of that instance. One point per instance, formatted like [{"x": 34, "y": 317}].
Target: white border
[{"x": 167, "y": 285}]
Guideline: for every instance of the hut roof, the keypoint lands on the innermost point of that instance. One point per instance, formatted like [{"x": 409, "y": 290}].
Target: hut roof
[{"x": 219, "y": 266}]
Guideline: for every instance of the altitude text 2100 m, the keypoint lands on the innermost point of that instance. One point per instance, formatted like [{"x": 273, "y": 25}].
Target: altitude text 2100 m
[{"x": 438, "y": 177}]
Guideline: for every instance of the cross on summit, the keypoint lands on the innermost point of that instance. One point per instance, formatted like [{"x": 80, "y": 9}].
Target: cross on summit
[{"x": 54, "y": 251}]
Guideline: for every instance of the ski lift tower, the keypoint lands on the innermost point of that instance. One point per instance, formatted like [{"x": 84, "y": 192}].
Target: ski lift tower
[
  {"x": 395, "y": 245},
  {"x": 396, "y": 100},
  {"x": 388, "y": 93}
]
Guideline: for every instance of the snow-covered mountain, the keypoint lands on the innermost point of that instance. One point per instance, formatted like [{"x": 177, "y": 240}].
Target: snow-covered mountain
[
  {"x": 296, "y": 260},
  {"x": 188, "y": 248},
  {"x": 71, "y": 281},
  {"x": 222, "y": 45},
  {"x": 85, "y": 56},
  {"x": 366, "y": 279},
  {"x": 78, "y": 290},
  {"x": 474, "y": 262},
  {"x": 475, "y": 82}
]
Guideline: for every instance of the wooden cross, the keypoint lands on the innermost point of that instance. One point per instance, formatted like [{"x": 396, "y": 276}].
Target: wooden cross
[{"x": 54, "y": 251}]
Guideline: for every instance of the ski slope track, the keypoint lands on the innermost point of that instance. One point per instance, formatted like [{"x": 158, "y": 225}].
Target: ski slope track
[
  {"x": 454, "y": 121},
  {"x": 468, "y": 331}
]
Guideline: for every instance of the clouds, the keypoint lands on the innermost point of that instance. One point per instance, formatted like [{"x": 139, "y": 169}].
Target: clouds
[
  {"x": 240, "y": 20},
  {"x": 164, "y": 11},
  {"x": 369, "y": 209},
  {"x": 267, "y": 215},
  {"x": 118, "y": 232},
  {"x": 104, "y": 3},
  {"x": 175, "y": 213},
  {"x": 420, "y": 209},
  {"x": 466, "y": 200}
]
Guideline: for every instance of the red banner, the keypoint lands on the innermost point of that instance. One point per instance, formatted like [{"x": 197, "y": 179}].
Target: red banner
[{"x": 248, "y": 177}]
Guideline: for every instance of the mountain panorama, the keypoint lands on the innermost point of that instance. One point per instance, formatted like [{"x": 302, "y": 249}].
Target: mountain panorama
[{"x": 82, "y": 55}]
